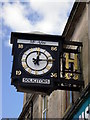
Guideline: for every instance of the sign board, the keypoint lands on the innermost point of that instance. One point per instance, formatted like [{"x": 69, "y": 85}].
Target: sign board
[
  {"x": 42, "y": 64},
  {"x": 83, "y": 112}
]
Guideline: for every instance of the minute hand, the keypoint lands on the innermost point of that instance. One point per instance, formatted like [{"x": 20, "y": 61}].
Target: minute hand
[{"x": 49, "y": 60}]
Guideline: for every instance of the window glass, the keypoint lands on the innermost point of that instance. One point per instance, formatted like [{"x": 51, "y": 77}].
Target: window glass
[
  {"x": 69, "y": 99},
  {"x": 44, "y": 107}
]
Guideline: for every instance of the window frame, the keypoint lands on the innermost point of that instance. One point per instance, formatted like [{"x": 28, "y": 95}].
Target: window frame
[{"x": 44, "y": 107}]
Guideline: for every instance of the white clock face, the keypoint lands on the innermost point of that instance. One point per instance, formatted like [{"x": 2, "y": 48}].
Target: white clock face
[{"x": 37, "y": 61}]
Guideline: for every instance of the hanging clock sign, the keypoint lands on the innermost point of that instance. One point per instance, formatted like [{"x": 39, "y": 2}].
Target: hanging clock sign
[
  {"x": 43, "y": 63},
  {"x": 36, "y": 61}
]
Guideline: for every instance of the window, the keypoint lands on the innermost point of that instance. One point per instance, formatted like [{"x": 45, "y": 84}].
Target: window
[
  {"x": 44, "y": 108},
  {"x": 69, "y": 99}
]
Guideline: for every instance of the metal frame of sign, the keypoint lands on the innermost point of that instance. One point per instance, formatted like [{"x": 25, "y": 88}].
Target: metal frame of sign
[
  {"x": 66, "y": 83},
  {"x": 63, "y": 75}
]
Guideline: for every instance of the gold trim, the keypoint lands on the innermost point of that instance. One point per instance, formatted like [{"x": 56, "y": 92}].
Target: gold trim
[
  {"x": 48, "y": 67},
  {"x": 36, "y": 72},
  {"x": 23, "y": 60},
  {"x": 24, "y": 65},
  {"x": 31, "y": 49},
  {"x": 43, "y": 71},
  {"x": 29, "y": 70},
  {"x": 38, "y": 49}
]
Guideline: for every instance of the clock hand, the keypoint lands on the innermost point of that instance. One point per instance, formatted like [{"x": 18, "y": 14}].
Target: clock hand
[
  {"x": 49, "y": 60},
  {"x": 35, "y": 61},
  {"x": 38, "y": 54}
]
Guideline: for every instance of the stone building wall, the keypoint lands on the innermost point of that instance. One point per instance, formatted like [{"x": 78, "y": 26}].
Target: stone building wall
[
  {"x": 54, "y": 105},
  {"x": 37, "y": 111},
  {"x": 81, "y": 34},
  {"x": 56, "y": 102},
  {"x": 89, "y": 40}
]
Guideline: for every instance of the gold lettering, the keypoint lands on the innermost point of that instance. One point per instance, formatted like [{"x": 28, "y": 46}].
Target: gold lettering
[
  {"x": 18, "y": 72},
  {"x": 69, "y": 75},
  {"x": 54, "y": 75},
  {"x": 37, "y": 49},
  {"x": 75, "y": 62},
  {"x": 76, "y": 77},
  {"x": 20, "y": 46},
  {"x": 54, "y": 48},
  {"x": 69, "y": 60}
]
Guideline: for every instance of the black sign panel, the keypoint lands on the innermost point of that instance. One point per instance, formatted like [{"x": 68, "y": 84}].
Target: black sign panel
[
  {"x": 41, "y": 63},
  {"x": 70, "y": 67}
]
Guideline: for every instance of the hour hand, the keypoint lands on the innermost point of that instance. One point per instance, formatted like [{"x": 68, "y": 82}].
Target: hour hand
[{"x": 35, "y": 61}]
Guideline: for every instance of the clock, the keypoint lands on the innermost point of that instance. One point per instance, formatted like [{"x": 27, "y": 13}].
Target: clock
[{"x": 37, "y": 61}]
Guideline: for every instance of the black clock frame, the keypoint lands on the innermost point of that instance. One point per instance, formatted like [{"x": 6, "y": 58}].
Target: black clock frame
[{"x": 55, "y": 82}]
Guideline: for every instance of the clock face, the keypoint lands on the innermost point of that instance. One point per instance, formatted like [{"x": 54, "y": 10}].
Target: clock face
[{"x": 37, "y": 61}]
